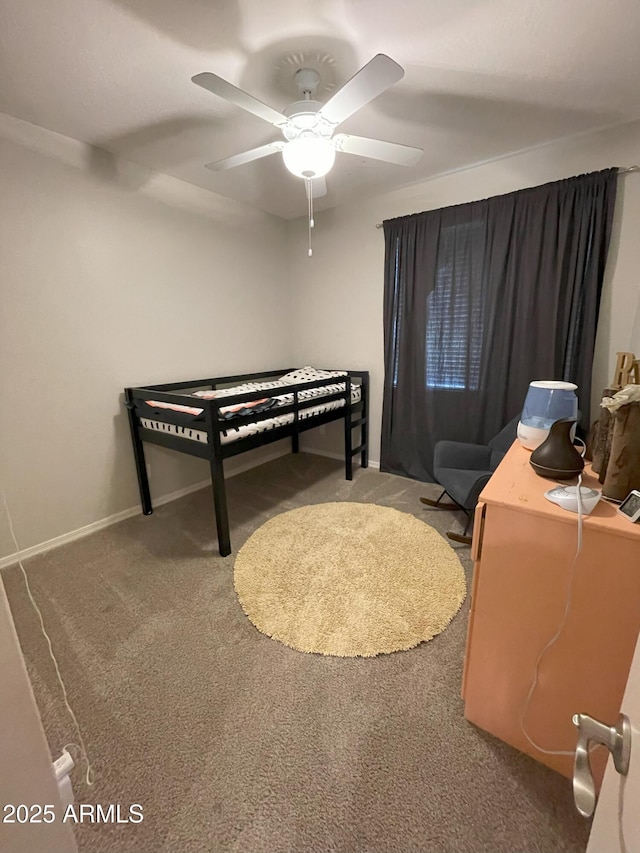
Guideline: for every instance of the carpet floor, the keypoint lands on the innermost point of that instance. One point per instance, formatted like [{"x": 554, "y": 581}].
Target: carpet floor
[{"x": 231, "y": 741}]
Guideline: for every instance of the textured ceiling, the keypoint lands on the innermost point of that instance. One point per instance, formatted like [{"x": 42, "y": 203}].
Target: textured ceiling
[{"x": 483, "y": 78}]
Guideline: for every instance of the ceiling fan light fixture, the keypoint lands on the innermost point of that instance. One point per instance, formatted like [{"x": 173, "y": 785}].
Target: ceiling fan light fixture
[
  {"x": 308, "y": 126},
  {"x": 309, "y": 156}
]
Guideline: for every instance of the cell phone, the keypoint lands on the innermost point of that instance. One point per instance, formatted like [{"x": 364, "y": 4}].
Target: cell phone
[{"x": 630, "y": 506}]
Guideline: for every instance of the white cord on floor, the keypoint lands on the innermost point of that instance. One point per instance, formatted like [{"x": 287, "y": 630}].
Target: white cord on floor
[{"x": 89, "y": 776}]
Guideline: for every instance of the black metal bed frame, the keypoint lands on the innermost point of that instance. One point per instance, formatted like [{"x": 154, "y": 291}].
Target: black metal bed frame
[{"x": 354, "y": 415}]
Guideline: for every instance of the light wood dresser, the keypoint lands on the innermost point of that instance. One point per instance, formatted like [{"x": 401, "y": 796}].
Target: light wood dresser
[{"x": 523, "y": 550}]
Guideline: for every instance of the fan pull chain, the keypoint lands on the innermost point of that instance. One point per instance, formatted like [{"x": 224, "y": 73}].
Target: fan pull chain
[{"x": 311, "y": 222}]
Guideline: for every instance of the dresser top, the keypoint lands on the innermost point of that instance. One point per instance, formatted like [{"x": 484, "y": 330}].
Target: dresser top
[{"x": 515, "y": 484}]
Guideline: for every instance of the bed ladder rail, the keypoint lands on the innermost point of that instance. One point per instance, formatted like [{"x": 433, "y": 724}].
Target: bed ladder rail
[{"x": 357, "y": 415}]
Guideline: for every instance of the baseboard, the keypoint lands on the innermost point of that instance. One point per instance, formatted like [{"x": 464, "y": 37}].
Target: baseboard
[
  {"x": 81, "y": 532},
  {"x": 96, "y": 525},
  {"x": 340, "y": 456}
]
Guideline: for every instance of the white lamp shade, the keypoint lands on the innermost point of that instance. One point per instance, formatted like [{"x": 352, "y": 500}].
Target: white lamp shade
[{"x": 309, "y": 156}]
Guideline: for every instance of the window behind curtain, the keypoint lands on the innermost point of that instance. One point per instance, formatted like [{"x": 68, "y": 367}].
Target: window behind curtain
[
  {"x": 454, "y": 330},
  {"x": 397, "y": 314}
]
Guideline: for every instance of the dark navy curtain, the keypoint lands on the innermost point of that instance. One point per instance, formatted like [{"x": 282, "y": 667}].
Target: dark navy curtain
[{"x": 479, "y": 300}]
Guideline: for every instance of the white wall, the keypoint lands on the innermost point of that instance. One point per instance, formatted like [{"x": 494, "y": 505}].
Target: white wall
[
  {"x": 114, "y": 276},
  {"x": 337, "y": 294}
]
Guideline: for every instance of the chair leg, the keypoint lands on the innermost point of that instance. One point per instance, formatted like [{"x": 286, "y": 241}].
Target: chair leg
[
  {"x": 459, "y": 537},
  {"x": 455, "y": 537},
  {"x": 437, "y": 505},
  {"x": 462, "y": 537}
]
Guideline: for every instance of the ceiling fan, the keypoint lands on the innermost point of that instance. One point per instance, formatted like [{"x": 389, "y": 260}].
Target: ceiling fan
[{"x": 309, "y": 146}]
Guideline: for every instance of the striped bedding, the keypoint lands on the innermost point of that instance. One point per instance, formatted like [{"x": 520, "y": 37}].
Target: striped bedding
[{"x": 232, "y": 433}]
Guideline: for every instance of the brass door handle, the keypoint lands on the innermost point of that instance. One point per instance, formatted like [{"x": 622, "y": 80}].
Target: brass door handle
[{"x": 617, "y": 740}]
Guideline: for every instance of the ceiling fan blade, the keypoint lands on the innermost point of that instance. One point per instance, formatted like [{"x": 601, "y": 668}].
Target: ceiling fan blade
[
  {"x": 246, "y": 156},
  {"x": 390, "y": 152},
  {"x": 372, "y": 79},
  {"x": 318, "y": 187},
  {"x": 224, "y": 89}
]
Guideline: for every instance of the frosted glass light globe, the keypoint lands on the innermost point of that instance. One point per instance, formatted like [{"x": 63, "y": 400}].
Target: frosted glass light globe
[{"x": 309, "y": 156}]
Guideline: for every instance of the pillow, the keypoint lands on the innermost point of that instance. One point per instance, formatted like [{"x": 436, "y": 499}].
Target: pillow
[
  {"x": 176, "y": 407},
  {"x": 310, "y": 374},
  {"x": 238, "y": 389}
]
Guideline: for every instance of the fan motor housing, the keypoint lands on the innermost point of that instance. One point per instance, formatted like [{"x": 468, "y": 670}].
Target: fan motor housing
[
  {"x": 302, "y": 107},
  {"x": 303, "y": 117},
  {"x": 306, "y": 79}
]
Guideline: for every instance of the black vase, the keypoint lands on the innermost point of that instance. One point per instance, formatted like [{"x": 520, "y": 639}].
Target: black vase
[{"x": 557, "y": 457}]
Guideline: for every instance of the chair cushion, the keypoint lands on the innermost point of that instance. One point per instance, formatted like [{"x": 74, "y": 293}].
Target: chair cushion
[
  {"x": 507, "y": 435},
  {"x": 460, "y": 455},
  {"x": 496, "y": 458}
]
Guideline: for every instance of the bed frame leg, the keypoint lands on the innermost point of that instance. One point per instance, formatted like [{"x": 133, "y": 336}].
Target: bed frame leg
[
  {"x": 364, "y": 434},
  {"x": 138, "y": 454},
  {"x": 364, "y": 456},
  {"x": 348, "y": 458},
  {"x": 220, "y": 507}
]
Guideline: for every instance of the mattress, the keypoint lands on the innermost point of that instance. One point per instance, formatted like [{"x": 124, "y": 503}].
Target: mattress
[{"x": 233, "y": 433}]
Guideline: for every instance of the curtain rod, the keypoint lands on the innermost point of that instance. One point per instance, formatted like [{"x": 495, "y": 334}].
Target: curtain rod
[{"x": 621, "y": 171}]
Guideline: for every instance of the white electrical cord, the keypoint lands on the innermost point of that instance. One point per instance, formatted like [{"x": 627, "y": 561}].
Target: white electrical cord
[
  {"x": 621, "y": 839},
  {"x": 89, "y": 776},
  {"x": 567, "y": 607},
  {"x": 534, "y": 683}
]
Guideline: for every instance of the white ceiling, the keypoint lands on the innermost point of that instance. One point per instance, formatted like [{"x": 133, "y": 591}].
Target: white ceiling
[{"x": 483, "y": 78}]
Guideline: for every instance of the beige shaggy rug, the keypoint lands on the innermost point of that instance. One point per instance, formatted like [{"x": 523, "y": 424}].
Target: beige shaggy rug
[{"x": 348, "y": 579}]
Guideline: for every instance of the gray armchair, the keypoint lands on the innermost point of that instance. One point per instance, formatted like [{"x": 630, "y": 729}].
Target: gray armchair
[{"x": 464, "y": 469}]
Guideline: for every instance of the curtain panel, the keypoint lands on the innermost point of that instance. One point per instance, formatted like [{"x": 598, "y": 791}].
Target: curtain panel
[{"x": 479, "y": 300}]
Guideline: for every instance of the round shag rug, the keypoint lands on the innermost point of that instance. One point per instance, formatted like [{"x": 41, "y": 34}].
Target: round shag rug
[{"x": 348, "y": 579}]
